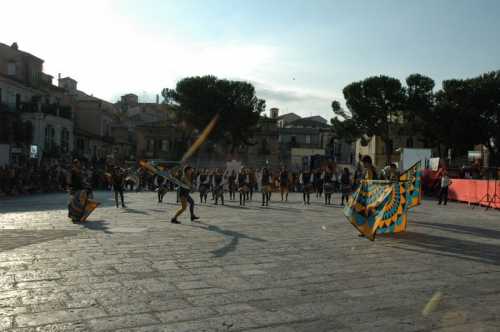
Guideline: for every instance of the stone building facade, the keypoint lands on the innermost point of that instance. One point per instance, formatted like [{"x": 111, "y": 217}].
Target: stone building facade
[{"x": 27, "y": 93}]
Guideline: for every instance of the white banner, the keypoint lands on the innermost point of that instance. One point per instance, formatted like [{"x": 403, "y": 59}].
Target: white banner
[{"x": 434, "y": 164}]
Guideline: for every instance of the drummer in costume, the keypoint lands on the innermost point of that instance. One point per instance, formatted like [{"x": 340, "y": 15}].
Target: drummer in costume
[
  {"x": 184, "y": 197},
  {"x": 218, "y": 185},
  {"x": 284, "y": 182},
  {"x": 306, "y": 180},
  {"x": 232, "y": 185},
  {"x": 328, "y": 177},
  {"x": 243, "y": 186},
  {"x": 210, "y": 183},
  {"x": 318, "y": 183},
  {"x": 266, "y": 183},
  {"x": 203, "y": 185},
  {"x": 80, "y": 206},
  {"x": 252, "y": 180}
]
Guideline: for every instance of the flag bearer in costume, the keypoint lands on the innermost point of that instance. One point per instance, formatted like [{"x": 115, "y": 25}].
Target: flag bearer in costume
[
  {"x": 266, "y": 183},
  {"x": 393, "y": 173},
  {"x": 306, "y": 180},
  {"x": 370, "y": 172},
  {"x": 203, "y": 185},
  {"x": 358, "y": 176},
  {"x": 80, "y": 206},
  {"x": 184, "y": 197},
  {"x": 178, "y": 175},
  {"x": 232, "y": 185},
  {"x": 243, "y": 186},
  {"x": 284, "y": 182},
  {"x": 218, "y": 185},
  {"x": 328, "y": 184},
  {"x": 118, "y": 181},
  {"x": 345, "y": 185}
]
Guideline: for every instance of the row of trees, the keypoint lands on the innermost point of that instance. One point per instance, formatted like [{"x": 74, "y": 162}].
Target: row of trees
[
  {"x": 198, "y": 99},
  {"x": 465, "y": 112}
]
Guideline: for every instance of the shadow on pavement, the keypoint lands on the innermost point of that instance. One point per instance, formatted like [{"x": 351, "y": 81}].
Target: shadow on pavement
[
  {"x": 235, "y": 238},
  {"x": 47, "y": 202},
  {"x": 446, "y": 246},
  {"x": 158, "y": 210},
  {"x": 15, "y": 238},
  {"x": 462, "y": 229},
  {"x": 134, "y": 211},
  {"x": 244, "y": 207},
  {"x": 97, "y": 225}
]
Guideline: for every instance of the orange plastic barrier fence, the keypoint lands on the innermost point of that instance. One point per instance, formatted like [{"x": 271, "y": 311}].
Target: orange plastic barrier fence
[{"x": 474, "y": 191}]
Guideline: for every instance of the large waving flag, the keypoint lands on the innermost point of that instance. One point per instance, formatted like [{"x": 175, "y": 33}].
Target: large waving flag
[
  {"x": 380, "y": 207},
  {"x": 413, "y": 175}
]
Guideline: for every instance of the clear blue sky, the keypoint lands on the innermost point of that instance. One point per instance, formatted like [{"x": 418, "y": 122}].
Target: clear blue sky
[{"x": 299, "y": 54}]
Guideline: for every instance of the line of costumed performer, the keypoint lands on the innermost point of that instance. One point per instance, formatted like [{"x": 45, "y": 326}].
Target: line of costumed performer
[{"x": 81, "y": 205}]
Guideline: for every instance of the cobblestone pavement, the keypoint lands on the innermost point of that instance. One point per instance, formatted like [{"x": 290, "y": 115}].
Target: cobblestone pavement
[{"x": 282, "y": 268}]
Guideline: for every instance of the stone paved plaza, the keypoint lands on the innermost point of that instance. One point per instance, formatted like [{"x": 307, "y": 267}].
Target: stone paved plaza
[{"x": 282, "y": 268}]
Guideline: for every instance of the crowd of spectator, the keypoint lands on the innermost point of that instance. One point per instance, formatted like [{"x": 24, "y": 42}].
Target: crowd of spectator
[{"x": 45, "y": 177}]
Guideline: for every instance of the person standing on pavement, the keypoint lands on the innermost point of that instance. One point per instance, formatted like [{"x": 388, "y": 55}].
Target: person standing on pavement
[
  {"x": 284, "y": 182},
  {"x": 306, "y": 180},
  {"x": 243, "y": 186},
  {"x": 232, "y": 185},
  {"x": 345, "y": 183},
  {"x": 118, "y": 181},
  {"x": 328, "y": 184},
  {"x": 445, "y": 183},
  {"x": 162, "y": 187},
  {"x": 218, "y": 185},
  {"x": 203, "y": 185},
  {"x": 266, "y": 182}
]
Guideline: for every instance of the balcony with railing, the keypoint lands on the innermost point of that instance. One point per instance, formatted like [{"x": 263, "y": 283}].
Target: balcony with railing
[
  {"x": 51, "y": 109},
  {"x": 66, "y": 112},
  {"x": 29, "y": 107}
]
